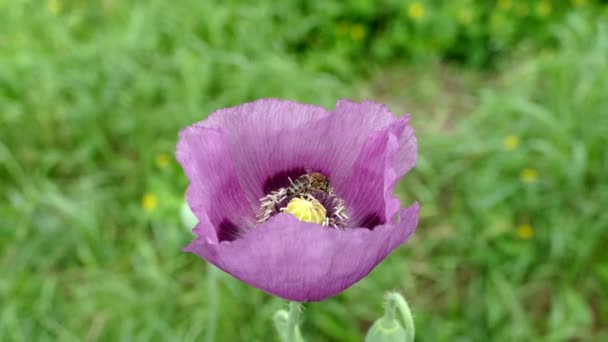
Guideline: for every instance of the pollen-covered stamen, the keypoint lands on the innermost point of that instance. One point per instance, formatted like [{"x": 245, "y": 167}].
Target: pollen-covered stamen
[
  {"x": 270, "y": 203},
  {"x": 336, "y": 210},
  {"x": 306, "y": 197}
]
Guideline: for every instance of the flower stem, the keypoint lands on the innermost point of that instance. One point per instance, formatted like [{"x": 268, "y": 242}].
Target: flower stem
[
  {"x": 295, "y": 310},
  {"x": 214, "y": 303},
  {"x": 286, "y": 323}
]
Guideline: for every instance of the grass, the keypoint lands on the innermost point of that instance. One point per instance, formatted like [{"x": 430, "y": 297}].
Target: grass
[{"x": 92, "y": 96}]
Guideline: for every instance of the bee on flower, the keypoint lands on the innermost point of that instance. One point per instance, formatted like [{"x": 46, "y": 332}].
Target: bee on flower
[{"x": 297, "y": 200}]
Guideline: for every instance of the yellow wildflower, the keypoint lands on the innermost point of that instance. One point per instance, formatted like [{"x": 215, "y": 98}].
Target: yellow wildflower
[
  {"x": 528, "y": 175},
  {"x": 510, "y": 142},
  {"x": 504, "y": 4},
  {"x": 415, "y": 10},
  {"x": 54, "y": 6},
  {"x": 543, "y": 8},
  {"x": 465, "y": 16},
  {"x": 525, "y": 231},
  {"x": 162, "y": 160},
  {"x": 149, "y": 202},
  {"x": 358, "y": 32}
]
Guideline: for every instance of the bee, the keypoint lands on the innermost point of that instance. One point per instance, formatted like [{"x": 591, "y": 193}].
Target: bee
[{"x": 308, "y": 181}]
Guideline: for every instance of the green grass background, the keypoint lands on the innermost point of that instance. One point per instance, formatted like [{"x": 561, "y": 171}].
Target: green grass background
[{"x": 93, "y": 93}]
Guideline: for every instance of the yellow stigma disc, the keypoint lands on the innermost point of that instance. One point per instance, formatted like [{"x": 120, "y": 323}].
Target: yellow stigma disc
[{"x": 307, "y": 210}]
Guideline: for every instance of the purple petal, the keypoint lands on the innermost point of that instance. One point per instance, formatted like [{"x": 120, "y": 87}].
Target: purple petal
[
  {"x": 368, "y": 188},
  {"x": 214, "y": 194},
  {"x": 305, "y": 262},
  {"x": 347, "y": 131},
  {"x": 268, "y": 137}
]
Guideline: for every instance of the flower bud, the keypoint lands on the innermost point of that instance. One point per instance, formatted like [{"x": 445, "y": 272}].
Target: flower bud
[
  {"x": 386, "y": 330},
  {"x": 187, "y": 216},
  {"x": 397, "y": 324}
]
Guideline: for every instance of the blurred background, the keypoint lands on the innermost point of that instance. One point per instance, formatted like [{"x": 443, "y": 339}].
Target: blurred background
[{"x": 509, "y": 102}]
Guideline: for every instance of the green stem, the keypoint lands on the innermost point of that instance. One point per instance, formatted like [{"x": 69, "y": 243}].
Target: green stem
[
  {"x": 295, "y": 310},
  {"x": 280, "y": 319},
  {"x": 214, "y": 303},
  {"x": 286, "y": 323}
]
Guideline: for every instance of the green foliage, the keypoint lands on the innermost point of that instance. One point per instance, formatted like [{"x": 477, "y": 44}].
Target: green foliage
[
  {"x": 544, "y": 284},
  {"x": 93, "y": 93},
  {"x": 336, "y": 34}
]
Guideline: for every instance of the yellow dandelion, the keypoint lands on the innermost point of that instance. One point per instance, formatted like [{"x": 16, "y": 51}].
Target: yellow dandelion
[
  {"x": 54, "y": 6},
  {"x": 579, "y": 2},
  {"x": 543, "y": 8},
  {"x": 510, "y": 142},
  {"x": 504, "y": 4},
  {"x": 358, "y": 32},
  {"x": 415, "y": 10},
  {"x": 149, "y": 202},
  {"x": 525, "y": 231},
  {"x": 162, "y": 160},
  {"x": 528, "y": 175},
  {"x": 465, "y": 17}
]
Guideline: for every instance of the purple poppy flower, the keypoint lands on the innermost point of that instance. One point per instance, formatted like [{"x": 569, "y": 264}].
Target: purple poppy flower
[{"x": 249, "y": 165}]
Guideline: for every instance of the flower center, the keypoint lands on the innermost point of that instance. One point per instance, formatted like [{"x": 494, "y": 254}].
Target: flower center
[
  {"x": 310, "y": 198},
  {"x": 306, "y": 209}
]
